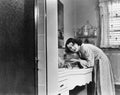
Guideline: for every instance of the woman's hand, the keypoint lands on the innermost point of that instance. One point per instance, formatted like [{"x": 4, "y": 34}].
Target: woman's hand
[{"x": 75, "y": 60}]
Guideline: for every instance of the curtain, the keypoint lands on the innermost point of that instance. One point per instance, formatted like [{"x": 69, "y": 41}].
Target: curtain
[{"x": 104, "y": 17}]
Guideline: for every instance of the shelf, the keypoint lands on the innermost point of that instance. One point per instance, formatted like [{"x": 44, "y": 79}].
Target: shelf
[{"x": 86, "y": 36}]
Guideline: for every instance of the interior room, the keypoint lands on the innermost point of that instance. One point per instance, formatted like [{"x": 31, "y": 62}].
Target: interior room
[
  {"x": 33, "y": 34},
  {"x": 95, "y": 22}
]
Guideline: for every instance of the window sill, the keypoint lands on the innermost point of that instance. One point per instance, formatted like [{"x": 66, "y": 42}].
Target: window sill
[{"x": 110, "y": 48}]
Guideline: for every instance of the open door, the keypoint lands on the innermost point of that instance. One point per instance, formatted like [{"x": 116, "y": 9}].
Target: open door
[{"x": 17, "y": 47}]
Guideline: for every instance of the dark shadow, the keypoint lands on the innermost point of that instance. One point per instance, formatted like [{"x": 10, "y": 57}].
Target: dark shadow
[{"x": 76, "y": 90}]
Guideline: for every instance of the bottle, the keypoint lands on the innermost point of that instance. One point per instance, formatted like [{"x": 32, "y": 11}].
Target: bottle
[{"x": 85, "y": 30}]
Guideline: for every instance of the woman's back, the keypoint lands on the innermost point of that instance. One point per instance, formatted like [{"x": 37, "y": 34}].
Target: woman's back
[{"x": 97, "y": 52}]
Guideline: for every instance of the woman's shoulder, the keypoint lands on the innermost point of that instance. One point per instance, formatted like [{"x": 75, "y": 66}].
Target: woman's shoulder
[
  {"x": 84, "y": 45},
  {"x": 91, "y": 47},
  {"x": 88, "y": 47}
]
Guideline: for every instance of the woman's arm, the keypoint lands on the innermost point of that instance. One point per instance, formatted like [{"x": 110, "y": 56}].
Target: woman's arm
[{"x": 82, "y": 62}]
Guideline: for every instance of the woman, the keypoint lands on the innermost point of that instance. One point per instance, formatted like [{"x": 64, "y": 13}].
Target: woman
[{"x": 90, "y": 53}]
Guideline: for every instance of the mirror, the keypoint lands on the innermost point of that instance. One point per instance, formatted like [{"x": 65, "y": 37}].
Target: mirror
[{"x": 60, "y": 24}]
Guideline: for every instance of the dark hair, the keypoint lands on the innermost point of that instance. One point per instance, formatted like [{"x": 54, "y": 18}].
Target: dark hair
[{"x": 73, "y": 40}]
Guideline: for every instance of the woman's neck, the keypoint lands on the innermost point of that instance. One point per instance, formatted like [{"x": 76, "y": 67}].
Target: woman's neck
[{"x": 81, "y": 46}]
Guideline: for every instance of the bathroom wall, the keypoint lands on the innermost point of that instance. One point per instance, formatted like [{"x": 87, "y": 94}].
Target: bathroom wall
[
  {"x": 114, "y": 56},
  {"x": 69, "y": 17}
]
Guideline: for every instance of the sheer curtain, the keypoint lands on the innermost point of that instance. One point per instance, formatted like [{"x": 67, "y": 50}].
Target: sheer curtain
[{"x": 104, "y": 17}]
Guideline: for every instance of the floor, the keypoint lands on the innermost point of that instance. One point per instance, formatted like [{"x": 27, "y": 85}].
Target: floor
[
  {"x": 78, "y": 91},
  {"x": 117, "y": 89}
]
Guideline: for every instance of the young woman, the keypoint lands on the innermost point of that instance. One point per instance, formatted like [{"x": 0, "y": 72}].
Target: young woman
[{"x": 90, "y": 53}]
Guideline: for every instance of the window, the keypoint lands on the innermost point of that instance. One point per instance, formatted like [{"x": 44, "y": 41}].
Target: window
[
  {"x": 114, "y": 23},
  {"x": 110, "y": 24}
]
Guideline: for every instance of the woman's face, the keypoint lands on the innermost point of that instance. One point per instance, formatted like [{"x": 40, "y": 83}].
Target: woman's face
[{"x": 73, "y": 47}]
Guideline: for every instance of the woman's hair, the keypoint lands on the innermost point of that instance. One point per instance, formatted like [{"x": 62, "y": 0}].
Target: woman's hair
[{"x": 73, "y": 40}]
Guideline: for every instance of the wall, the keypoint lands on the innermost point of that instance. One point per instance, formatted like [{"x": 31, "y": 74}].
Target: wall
[
  {"x": 114, "y": 56},
  {"x": 69, "y": 18},
  {"x": 86, "y": 10},
  {"x": 77, "y": 12},
  {"x": 17, "y": 68}
]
